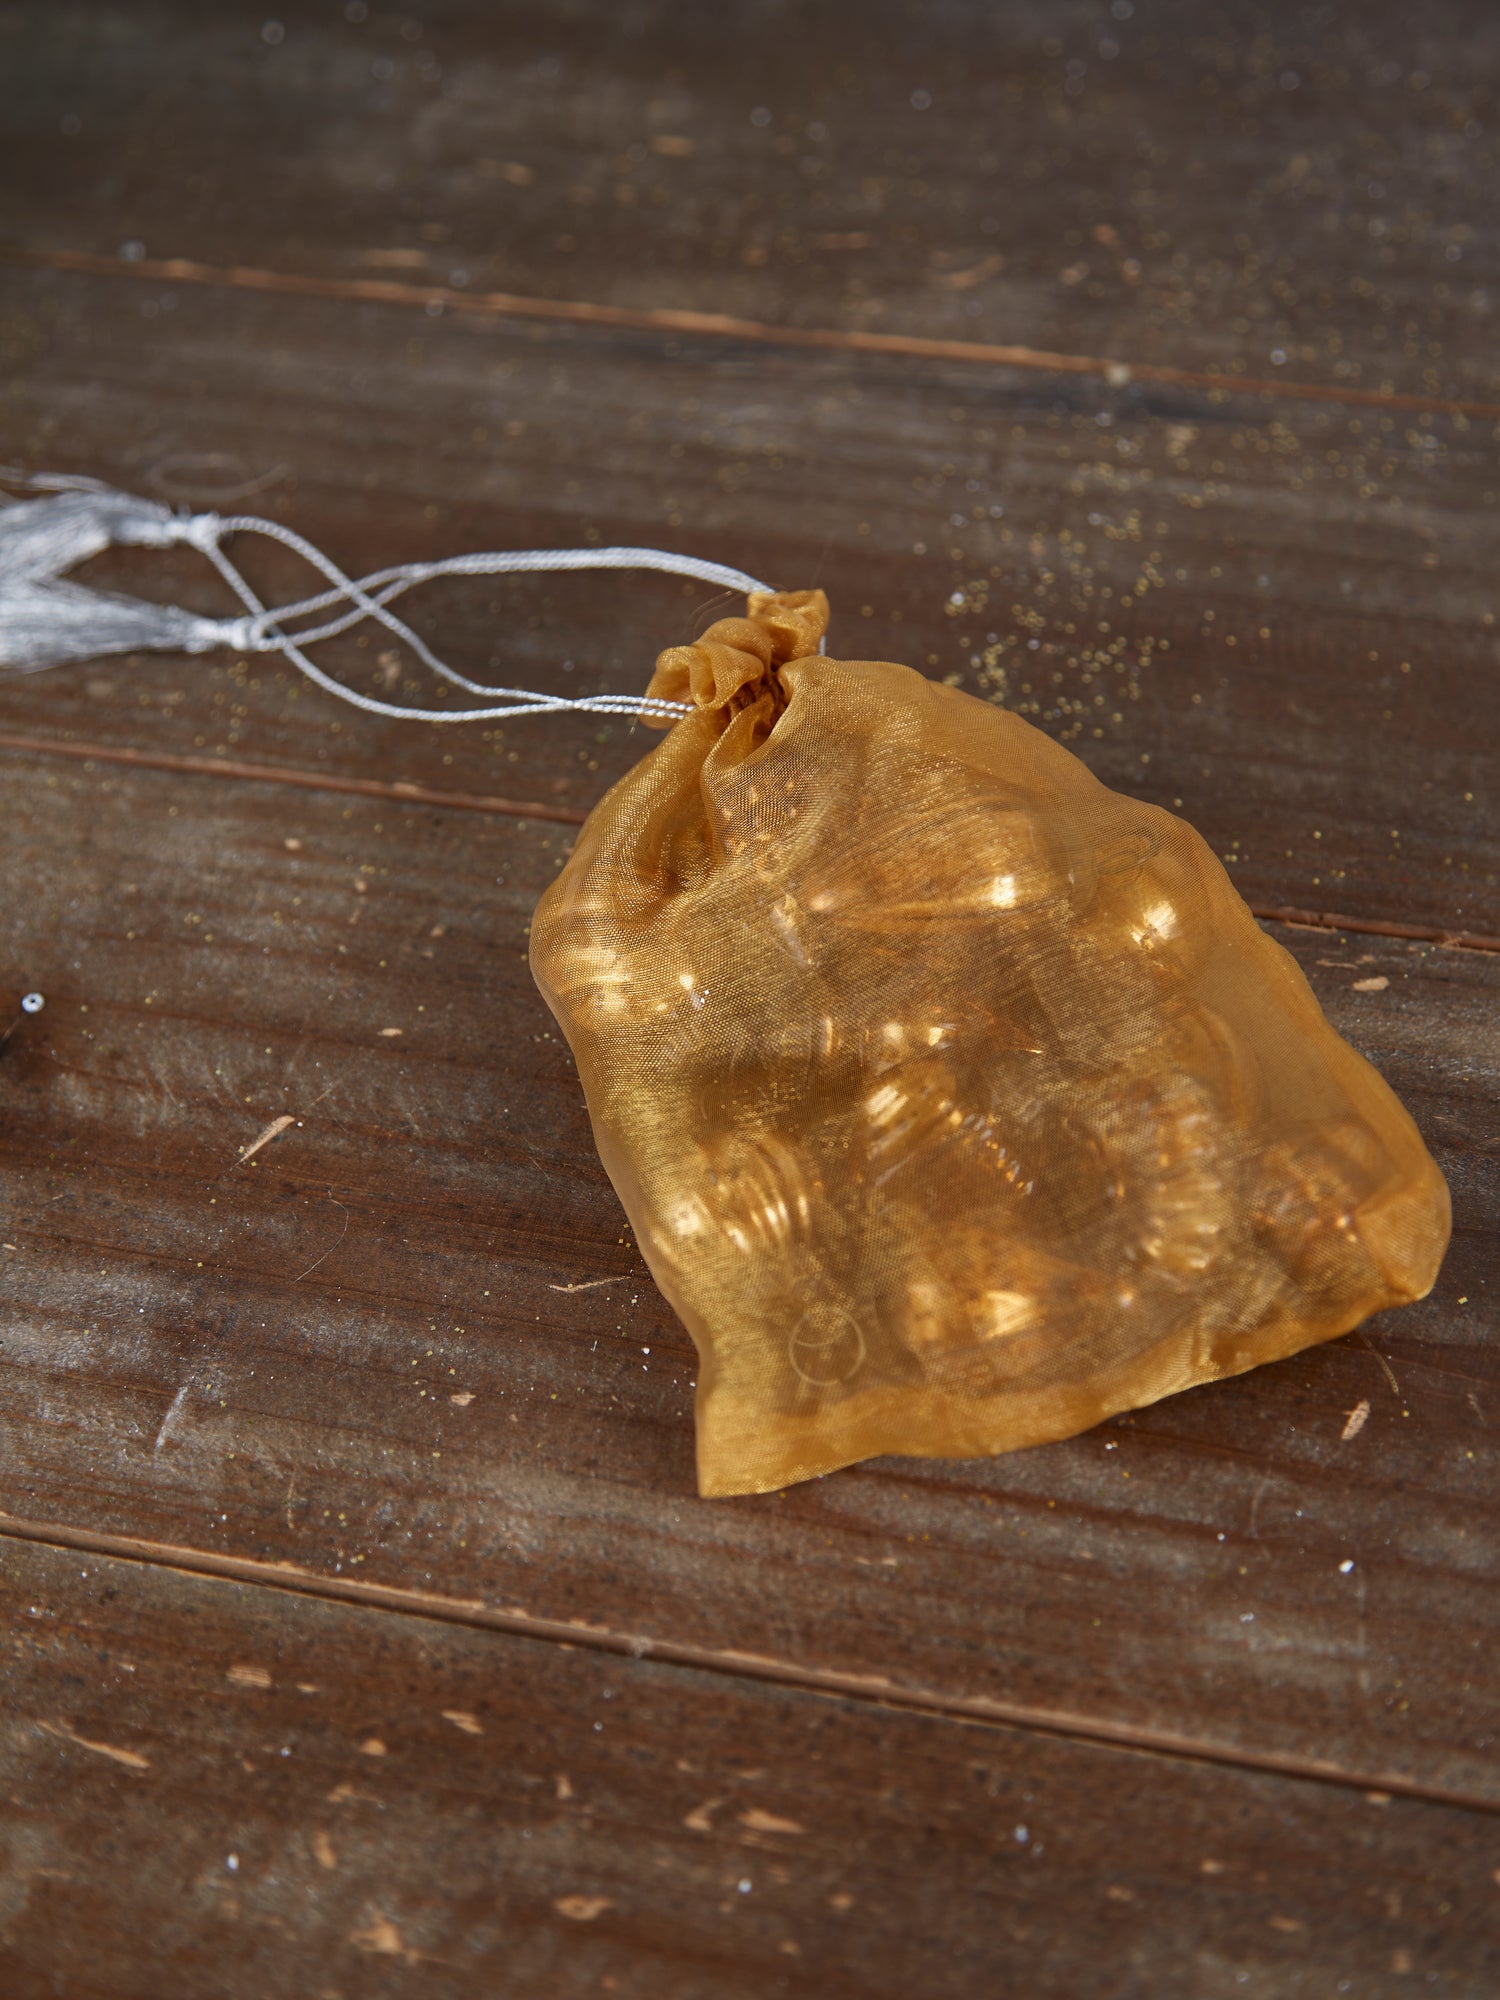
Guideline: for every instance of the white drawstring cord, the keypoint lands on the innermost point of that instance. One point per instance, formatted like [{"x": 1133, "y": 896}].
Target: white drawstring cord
[{"x": 44, "y": 621}]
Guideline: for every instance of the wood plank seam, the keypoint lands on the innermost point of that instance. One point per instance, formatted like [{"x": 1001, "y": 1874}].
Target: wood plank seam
[
  {"x": 841, "y": 1685},
  {"x": 399, "y": 792},
  {"x": 723, "y": 326}
]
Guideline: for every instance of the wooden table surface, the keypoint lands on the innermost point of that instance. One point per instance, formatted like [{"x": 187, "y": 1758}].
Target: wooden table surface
[{"x": 1131, "y": 364}]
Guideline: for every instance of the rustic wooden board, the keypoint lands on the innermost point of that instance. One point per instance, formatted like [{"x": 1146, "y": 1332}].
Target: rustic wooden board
[
  {"x": 261, "y": 1361},
  {"x": 1273, "y": 195},
  {"x": 1270, "y": 618},
  {"x": 1219, "y": 382},
  {"x": 215, "y": 1789}
]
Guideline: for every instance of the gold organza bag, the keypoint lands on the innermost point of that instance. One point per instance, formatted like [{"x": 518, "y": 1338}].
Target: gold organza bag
[{"x": 957, "y": 1101}]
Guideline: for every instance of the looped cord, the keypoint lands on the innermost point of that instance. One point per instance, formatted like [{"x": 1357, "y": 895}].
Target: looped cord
[{"x": 44, "y": 621}]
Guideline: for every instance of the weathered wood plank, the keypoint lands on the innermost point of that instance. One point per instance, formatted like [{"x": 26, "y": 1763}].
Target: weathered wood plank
[
  {"x": 263, "y": 1360},
  {"x": 1288, "y": 195},
  {"x": 1271, "y": 619},
  {"x": 212, "y": 1788},
  {"x": 360, "y": 1354}
]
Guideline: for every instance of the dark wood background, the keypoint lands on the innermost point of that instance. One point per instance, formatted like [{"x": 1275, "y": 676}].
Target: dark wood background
[{"x": 1130, "y": 363}]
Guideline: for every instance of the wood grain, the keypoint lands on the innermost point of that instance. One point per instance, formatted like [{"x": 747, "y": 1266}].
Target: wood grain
[
  {"x": 262, "y": 1360},
  {"x": 326, "y": 1361},
  {"x": 1289, "y": 195},
  {"x": 1269, "y": 619},
  {"x": 213, "y": 1789}
]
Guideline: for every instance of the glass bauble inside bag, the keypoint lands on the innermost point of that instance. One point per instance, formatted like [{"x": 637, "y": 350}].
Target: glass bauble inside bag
[{"x": 957, "y": 1101}]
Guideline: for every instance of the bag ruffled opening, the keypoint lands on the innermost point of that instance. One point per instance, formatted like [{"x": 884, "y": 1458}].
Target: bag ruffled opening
[{"x": 736, "y": 663}]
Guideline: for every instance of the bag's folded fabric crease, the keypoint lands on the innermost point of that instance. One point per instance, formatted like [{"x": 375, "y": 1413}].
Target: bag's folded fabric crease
[{"x": 957, "y": 1101}]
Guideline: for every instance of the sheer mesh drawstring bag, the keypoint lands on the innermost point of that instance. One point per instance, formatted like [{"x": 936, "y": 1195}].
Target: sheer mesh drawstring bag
[{"x": 957, "y": 1101}]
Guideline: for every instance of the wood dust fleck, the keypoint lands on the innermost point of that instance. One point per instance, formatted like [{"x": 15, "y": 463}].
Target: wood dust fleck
[
  {"x": 1377, "y": 985},
  {"x": 322, "y": 1847},
  {"x": 273, "y": 1131},
  {"x": 249, "y": 1677},
  {"x": 462, "y": 1719},
  {"x": 582, "y": 1909},
  {"x": 131, "y": 1759},
  {"x": 1355, "y": 1420},
  {"x": 765, "y": 1822},
  {"x": 383, "y": 1937},
  {"x": 973, "y": 274}
]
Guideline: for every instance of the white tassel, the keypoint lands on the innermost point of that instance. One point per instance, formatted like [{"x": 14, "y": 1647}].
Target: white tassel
[{"x": 45, "y": 622}]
